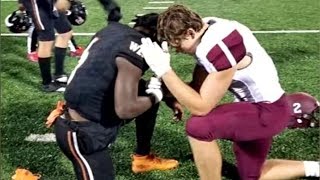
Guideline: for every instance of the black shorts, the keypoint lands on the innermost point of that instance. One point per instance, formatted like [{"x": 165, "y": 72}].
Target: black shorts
[{"x": 44, "y": 19}]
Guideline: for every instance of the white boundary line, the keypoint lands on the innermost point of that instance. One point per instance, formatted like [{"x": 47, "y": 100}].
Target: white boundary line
[
  {"x": 286, "y": 31},
  {"x": 256, "y": 32},
  {"x": 161, "y": 2},
  {"x": 48, "y": 137},
  {"x": 153, "y": 8},
  {"x": 25, "y": 34}
]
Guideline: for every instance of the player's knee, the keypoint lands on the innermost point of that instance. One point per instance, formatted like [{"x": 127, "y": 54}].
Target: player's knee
[
  {"x": 250, "y": 174},
  {"x": 63, "y": 39},
  {"x": 197, "y": 128},
  {"x": 66, "y": 36},
  {"x": 44, "y": 48}
]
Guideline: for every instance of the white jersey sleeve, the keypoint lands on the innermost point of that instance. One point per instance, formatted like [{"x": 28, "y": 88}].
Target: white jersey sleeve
[{"x": 221, "y": 46}]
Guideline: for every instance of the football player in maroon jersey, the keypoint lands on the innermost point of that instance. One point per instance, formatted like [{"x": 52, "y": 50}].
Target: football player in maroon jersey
[{"x": 235, "y": 61}]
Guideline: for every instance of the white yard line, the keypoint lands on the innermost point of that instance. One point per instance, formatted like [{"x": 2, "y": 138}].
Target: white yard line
[
  {"x": 48, "y": 137},
  {"x": 153, "y": 8},
  {"x": 131, "y": 23},
  {"x": 286, "y": 31},
  {"x": 25, "y": 34},
  {"x": 161, "y": 2}
]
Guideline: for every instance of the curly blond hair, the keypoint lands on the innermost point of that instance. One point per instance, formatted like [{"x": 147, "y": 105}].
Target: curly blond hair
[{"x": 174, "y": 23}]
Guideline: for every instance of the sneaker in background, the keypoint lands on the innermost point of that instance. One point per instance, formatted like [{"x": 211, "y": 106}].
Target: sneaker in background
[
  {"x": 32, "y": 56},
  {"x": 77, "y": 53},
  {"x": 62, "y": 79},
  {"x": 53, "y": 87}
]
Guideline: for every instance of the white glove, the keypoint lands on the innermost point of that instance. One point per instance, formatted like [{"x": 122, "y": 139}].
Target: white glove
[
  {"x": 154, "y": 88},
  {"x": 158, "y": 58}
]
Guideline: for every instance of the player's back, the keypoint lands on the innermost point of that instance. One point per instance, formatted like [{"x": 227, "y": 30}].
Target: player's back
[
  {"x": 224, "y": 44},
  {"x": 90, "y": 90}
]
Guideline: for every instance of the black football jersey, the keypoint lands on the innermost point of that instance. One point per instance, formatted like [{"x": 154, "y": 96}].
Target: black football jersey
[{"x": 90, "y": 90}]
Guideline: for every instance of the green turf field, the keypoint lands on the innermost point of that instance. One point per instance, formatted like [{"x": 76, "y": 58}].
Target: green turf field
[{"x": 24, "y": 107}]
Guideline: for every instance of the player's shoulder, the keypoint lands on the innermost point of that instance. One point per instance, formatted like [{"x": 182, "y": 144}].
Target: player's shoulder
[
  {"x": 218, "y": 29},
  {"x": 211, "y": 37},
  {"x": 212, "y": 19},
  {"x": 221, "y": 45}
]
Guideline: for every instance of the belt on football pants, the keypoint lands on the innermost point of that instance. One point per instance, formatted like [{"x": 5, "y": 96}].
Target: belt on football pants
[{"x": 73, "y": 115}]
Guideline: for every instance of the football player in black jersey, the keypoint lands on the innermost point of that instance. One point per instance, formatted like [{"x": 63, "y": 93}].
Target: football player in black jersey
[{"x": 106, "y": 90}]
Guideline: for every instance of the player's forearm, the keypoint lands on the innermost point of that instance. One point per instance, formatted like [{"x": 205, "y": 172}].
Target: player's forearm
[
  {"x": 184, "y": 93},
  {"x": 132, "y": 109}
]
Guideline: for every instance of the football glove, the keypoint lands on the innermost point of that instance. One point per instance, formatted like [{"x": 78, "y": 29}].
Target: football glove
[
  {"x": 158, "y": 58},
  {"x": 154, "y": 88}
]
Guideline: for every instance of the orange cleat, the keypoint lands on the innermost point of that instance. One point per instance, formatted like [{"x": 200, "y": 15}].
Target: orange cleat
[
  {"x": 24, "y": 174},
  {"x": 151, "y": 162}
]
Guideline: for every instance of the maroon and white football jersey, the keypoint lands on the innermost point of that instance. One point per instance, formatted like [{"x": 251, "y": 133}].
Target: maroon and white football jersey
[{"x": 224, "y": 44}]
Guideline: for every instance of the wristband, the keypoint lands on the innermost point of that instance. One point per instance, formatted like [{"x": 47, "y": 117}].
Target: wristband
[{"x": 153, "y": 99}]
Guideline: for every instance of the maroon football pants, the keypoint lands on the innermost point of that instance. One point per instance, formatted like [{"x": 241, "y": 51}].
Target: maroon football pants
[{"x": 250, "y": 126}]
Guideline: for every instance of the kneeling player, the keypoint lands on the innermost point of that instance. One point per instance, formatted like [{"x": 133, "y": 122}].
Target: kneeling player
[{"x": 104, "y": 91}]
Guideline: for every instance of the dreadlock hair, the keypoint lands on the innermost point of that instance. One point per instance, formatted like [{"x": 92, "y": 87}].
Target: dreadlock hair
[{"x": 148, "y": 23}]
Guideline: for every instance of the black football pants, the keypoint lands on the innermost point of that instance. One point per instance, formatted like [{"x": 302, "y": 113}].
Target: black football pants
[{"x": 85, "y": 144}]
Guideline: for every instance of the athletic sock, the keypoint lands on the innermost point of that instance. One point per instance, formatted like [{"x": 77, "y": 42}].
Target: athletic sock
[
  {"x": 71, "y": 46},
  {"x": 45, "y": 69},
  {"x": 311, "y": 168},
  {"x": 74, "y": 43},
  {"x": 60, "y": 54},
  {"x": 34, "y": 41}
]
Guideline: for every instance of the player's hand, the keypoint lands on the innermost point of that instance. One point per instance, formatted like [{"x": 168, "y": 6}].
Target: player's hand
[
  {"x": 154, "y": 88},
  {"x": 177, "y": 111},
  {"x": 158, "y": 58}
]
